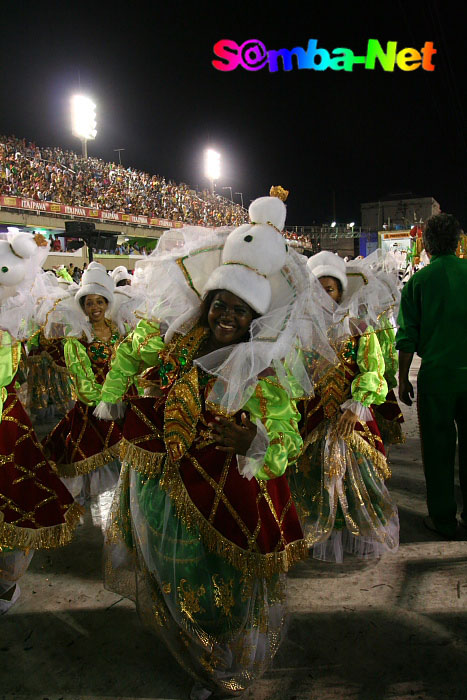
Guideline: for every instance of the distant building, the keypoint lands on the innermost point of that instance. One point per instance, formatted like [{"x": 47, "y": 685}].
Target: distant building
[{"x": 398, "y": 210}]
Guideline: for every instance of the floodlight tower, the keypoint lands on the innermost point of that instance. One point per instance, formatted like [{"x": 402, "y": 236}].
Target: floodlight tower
[
  {"x": 83, "y": 120},
  {"x": 212, "y": 166}
]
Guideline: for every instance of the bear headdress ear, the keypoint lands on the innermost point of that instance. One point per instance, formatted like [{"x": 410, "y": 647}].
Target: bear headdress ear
[{"x": 23, "y": 245}]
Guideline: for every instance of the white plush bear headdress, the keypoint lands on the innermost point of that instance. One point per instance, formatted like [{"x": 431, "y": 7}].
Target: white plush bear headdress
[
  {"x": 253, "y": 252},
  {"x": 21, "y": 258},
  {"x": 95, "y": 280},
  {"x": 253, "y": 262},
  {"x": 15, "y": 255}
]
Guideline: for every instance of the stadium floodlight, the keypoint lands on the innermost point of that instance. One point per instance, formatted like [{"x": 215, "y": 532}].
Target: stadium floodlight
[
  {"x": 352, "y": 224},
  {"x": 212, "y": 166},
  {"x": 83, "y": 120},
  {"x": 333, "y": 224},
  {"x": 241, "y": 197}
]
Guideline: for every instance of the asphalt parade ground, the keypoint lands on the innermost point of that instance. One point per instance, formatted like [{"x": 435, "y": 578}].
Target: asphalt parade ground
[{"x": 378, "y": 630}]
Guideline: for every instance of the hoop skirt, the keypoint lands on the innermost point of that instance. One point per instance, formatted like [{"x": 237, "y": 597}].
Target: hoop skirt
[
  {"x": 339, "y": 483},
  {"x": 201, "y": 549}
]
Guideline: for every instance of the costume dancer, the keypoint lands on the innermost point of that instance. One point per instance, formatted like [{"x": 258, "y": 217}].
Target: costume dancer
[
  {"x": 48, "y": 381},
  {"x": 388, "y": 415},
  {"x": 36, "y": 510},
  {"x": 204, "y": 513},
  {"x": 84, "y": 448},
  {"x": 121, "y": 276},
  {"x": 338, "y": 482}
]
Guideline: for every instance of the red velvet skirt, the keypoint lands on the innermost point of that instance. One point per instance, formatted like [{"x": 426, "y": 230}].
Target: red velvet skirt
[
  {"x": 81, "y": 442},
  {"x": 247, "y": 520},
  {"x": 36, "y": 510}
]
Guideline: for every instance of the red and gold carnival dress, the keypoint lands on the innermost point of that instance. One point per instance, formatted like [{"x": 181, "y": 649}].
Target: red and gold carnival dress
[
  {"x": 84, "y": 448},
  {"x": 209, "y": 547},
  {"x": 36, "y": 510},
  {"x": 338, "y": 483}
]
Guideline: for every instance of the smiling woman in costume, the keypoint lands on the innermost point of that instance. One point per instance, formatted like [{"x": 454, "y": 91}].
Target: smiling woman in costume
[
  {"x": 84, "y": 448},
  {"x": 204, "y": 502}
]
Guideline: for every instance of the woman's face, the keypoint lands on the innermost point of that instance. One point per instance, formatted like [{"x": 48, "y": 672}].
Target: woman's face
[
  {"x": 95, "y": 307},
  {"x": 331, "y": 286},
  {"x": 229, "y": 318}
]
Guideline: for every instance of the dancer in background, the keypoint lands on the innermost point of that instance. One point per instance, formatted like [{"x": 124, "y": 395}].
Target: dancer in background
[
  {"x": 121, "y": 276},
  {"x": 36, "y": 510},
  {"x": 388, "y": 415},
  {"x": 338, "y": 482},
  {"x": 84, "y": 448},
  {"x": 204, "y": 515},
  {"x": 49, "y": 387}
]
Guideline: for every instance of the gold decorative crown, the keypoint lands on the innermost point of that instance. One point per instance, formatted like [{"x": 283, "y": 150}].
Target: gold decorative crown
[
  {"x": 40, "y": 240},
  {"x": 278, "y": 191}
]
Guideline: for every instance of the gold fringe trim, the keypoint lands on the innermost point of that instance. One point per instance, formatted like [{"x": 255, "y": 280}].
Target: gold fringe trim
[
  {"x": 14, "y": 537},
  {"x": 379, "y": 460},
  {"x": 142, "y": 461},
  {"x": 249, "y": 563},
  {"x": 85, "y": 466},
  {"x": 356, "y": 442}
]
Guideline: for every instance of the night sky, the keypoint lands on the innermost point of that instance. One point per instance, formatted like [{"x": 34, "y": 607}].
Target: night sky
[{"x": 147, "y": 65}]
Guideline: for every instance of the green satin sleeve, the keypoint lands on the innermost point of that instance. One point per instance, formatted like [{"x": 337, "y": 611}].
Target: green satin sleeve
[
  {"x": 87, "y": 389},
  {"x": 387, "y": 341},
  {"x": 370, "y": 386},
  {"x": 136, "y": 353},
  {"x": 8, "y": 366},
  {"x": 278, "y": 413}
]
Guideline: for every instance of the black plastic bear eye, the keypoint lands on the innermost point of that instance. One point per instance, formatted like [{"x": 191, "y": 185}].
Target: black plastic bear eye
[
  {"x": 248, "y": 238},
  {"x": 4, "y": 269}
]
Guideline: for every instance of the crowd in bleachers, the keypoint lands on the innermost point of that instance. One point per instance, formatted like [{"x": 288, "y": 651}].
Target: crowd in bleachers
[{"x": 54, "y": 175}]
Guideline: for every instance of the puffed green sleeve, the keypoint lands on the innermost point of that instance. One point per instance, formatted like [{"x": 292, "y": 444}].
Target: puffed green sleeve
[
  {"x": 370, "y": 386},
  {"x": 136, "y": 353},
  {"x": 272, "y": 410},
  {"x": 10, "y": 351},
  {"x": 387, "y": 341},
  {"x": 87, "y": 389}
]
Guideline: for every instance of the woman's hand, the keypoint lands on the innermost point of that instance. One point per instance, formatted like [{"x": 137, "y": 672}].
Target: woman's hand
[
  {"x": 232, "y": 437},
  {"x": 346, "y": 424}
]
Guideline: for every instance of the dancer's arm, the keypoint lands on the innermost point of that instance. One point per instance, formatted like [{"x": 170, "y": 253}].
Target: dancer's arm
[
  {"x": 387, "y": 341},
  {"x": 136, "y": 353},
  {"x": 87, "y": 389},
  {"x": 8, "y": 364},
  {"x": 277, "y": 442},
  {"x": 370, "y": 386}
]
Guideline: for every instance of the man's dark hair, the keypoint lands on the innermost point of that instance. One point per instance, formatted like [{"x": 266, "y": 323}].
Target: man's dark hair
[{"x": 441, "y": 234}]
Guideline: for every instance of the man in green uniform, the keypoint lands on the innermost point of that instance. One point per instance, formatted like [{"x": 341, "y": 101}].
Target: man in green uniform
[{"x": 433, "y": 323}]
